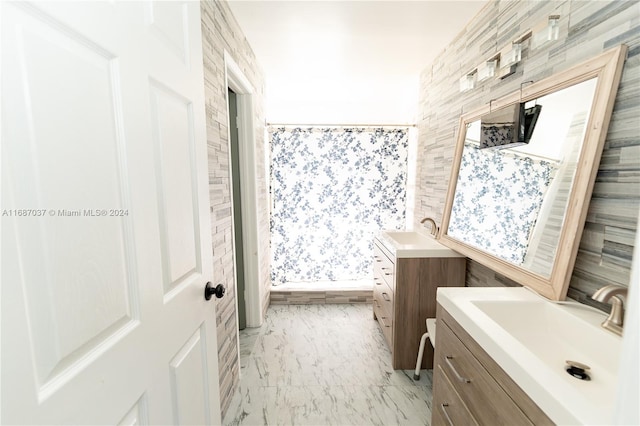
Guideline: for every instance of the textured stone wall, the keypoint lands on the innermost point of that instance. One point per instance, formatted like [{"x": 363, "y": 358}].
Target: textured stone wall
[
  {"x": 587, "y": 29},
  {"x": 319, "y": 297},
  {"x": 221, "y": 32}
]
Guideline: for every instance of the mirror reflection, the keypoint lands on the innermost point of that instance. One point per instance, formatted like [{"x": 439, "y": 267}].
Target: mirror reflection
[{"x": 512, "y": 194}]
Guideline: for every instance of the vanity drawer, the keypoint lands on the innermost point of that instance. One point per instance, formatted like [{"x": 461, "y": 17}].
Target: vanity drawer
[
  {"x": 383, "y": 266},
  {"x": 385, "y": 321},
  {"x": 484, "y": 397},
  {"x": 383, "y": 295},
  {"x": 447, "y": 407}
]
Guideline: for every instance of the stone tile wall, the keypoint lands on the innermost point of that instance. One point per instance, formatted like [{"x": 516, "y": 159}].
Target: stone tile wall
[
  {"x": 221, "y": 32},
  {"x": 587, "y": 29},
  {"x": 300, "y": 297}
]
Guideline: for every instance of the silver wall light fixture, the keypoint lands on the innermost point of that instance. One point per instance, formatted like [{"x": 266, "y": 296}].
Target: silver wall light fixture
[
  {"x": 511, "y": 55},
  {"x": 546, "y": 32},
  {"x": 468, "y": 81},
  {"x": 489, "y": 68}
]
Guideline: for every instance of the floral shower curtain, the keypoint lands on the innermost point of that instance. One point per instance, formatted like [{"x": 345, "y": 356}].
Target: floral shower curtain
[{"x": 333, "y": 190}]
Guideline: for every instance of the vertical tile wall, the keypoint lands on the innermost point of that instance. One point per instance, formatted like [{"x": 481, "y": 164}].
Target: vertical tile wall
[
  {"x": 587, "y": 29},
  {"x": 221, "y": 32}
]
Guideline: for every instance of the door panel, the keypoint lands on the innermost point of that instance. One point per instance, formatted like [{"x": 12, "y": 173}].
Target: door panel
[
  {"x": 166, "y": 20},
  {"x": 105, "y": 245},
  {"x": 137, "y": 415},
  {"x": 172, "y": 121},
  {"x": 189, "y": 387},
  {"x": 63, "y": 332}
]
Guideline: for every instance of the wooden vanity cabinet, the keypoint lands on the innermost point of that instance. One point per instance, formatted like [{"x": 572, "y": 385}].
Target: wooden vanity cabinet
[
  {"x": 470, "y": 388},
  {"x": 404, "y": 296}
]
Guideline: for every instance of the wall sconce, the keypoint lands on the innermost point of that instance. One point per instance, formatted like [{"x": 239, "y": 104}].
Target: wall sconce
[
  {"x": 511, "y": 55},
  {"x": 468, "y": 82},
  {"x": 546, "y": 32},
  {"x": 509, "y": 58},
  {"x": 489, "y": 68}
]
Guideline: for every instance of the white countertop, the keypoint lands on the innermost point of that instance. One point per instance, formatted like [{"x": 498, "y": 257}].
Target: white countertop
[
  {"x": 532, "y": 349},
  {"x": 411, "y": 244}
]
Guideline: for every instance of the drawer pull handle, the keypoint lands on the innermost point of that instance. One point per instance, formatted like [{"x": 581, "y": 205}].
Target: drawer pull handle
[
  {"x": 461, "y": 379},
  {"x": 377, "y": 282},
  {"x": 443, "y": 408},
  {"x": 385, "y": 296},
  {"x": 382, "y": 320}
]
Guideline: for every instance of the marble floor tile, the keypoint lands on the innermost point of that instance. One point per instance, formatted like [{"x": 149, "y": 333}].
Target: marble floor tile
[{"x": 324, "y": 365}]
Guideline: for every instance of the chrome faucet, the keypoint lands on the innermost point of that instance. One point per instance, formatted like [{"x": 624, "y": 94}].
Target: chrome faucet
[
  {"x": 434, "y": 227},
  {"x": 610, "y": 294}
]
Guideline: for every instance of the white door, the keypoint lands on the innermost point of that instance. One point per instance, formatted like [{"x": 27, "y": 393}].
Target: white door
[{"x": 106, "y": 243}]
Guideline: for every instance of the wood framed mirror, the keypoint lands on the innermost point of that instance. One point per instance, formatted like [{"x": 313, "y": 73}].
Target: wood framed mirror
[{"x": 519, "y": 207}]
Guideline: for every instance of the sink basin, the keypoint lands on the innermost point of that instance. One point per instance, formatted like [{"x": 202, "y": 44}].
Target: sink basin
[
  {"x": 408, "y": 237},
  {"x": 531, "y": 338},
  {"x": 559, "y": 334},
  {"x": 406, "y": 244}
]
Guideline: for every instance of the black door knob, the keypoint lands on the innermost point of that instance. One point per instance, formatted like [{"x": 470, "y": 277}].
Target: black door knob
[{"x": 210, "y": 290}]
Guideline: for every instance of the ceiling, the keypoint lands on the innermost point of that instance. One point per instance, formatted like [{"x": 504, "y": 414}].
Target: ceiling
[{"x": 347, "y": 61}]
